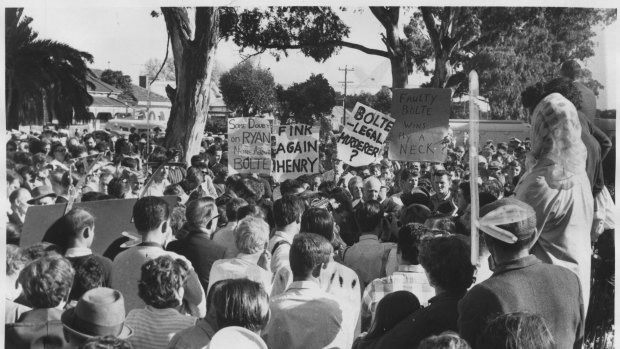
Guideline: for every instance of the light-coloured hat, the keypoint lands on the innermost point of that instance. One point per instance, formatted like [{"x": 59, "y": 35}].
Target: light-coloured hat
[
  {"x": 236, "y": 337},
  {"x": 100, "y": 312}
]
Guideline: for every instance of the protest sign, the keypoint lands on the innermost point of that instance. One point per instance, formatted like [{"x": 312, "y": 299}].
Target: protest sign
[
  {"x": 422, "y": 117},
  {"x": 361, "y": 141},
  {"x": 296, "y": 151},
  {"x": 112, "y": 217},
  {"x": 249, "y": 145}
]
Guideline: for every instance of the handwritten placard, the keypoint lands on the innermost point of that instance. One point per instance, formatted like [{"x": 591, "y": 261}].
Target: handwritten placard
[
  {"x": 296, "y": 151},
  {"x": 422, "y": 118},
  {"x": 361, "y": 141},
  {"x": 249, "y": 147}
]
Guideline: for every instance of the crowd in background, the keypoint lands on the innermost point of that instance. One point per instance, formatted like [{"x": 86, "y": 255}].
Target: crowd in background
[{"x": 370, "y": 257}]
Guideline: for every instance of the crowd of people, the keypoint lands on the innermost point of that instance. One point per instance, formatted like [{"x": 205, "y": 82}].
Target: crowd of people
[{"x": 366, "y": 258}]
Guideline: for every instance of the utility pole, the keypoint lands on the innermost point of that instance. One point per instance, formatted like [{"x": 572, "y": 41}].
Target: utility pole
[{"x": 345, "y": 82}]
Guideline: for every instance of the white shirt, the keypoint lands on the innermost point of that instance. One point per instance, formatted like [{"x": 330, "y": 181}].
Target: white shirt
[
  {"x": 226, "y": 237},
  {"x": 279, "y": 259},
  {"x": 78, "y": 252},
  {"x": 307, "y": 317},
  {"x": 243, "y": 267}
]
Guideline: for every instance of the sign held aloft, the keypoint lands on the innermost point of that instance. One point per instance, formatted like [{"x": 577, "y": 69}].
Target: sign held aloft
[
  {"x": 249, "y": 145},
  {"x": 361, "y": 141},
  {"x": 296, "y": 151},
  {"x": 422, "y": 119}
]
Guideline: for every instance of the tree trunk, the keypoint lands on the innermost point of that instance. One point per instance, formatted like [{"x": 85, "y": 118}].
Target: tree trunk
[
  {"x": 194, "y": 61},
  {"x": 400, "y": 72}
]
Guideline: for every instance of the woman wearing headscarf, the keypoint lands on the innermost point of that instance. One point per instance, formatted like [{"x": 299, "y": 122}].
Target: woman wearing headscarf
[{"x": 557, "y": 187}]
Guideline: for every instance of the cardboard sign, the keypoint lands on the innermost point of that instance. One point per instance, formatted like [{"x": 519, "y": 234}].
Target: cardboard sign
[
  {"x": 361, "y": 141},
  {"x": 249, "y": 145},
  {"x": 422, "y": 118},
  {"x": 112, "y": 217},
  {"x": 296, "y": 151}
]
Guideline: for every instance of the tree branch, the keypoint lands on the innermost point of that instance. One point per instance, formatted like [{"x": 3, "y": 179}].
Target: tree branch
[
  {"x": 367, "y": 50},
  {"x": 429, "y": 22},
  {"x": 163, "y": 64}
]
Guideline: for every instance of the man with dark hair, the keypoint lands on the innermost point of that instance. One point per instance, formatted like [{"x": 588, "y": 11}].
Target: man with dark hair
[
  {"x": 79, "y": 227},
  {"x": 441, "y": 181},
  {"x": 214, "y": 155},
  {"x": 369, "y": 256},
  {"x": 305, "y": 316},
  {"x": 287, "y": 213},
  {"x": 90, "y": 142},
  {"x": 409, "y": 276},
  {"x": 197, "y": 246},
  {"x": 152, "y": 220},
  {"x": 88, "y": 275},
  {"x": 161, "y": 281},
  {"x": 520, "y": 281},
  {"x": 571, "y": 69},
  {"x": 291, "y": 187}
]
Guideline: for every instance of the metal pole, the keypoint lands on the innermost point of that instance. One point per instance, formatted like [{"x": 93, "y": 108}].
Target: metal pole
[
  {"x": 344, "y": 109},
  {"x": 474, "y": 139},
  {"x": 148, "y": 117}
]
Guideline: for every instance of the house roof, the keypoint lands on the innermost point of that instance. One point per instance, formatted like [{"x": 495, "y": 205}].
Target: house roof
[
  {"x": 99, "y": 85},
  {"x": 141, "y": 95},
  {"x": 107, "y": 102}
]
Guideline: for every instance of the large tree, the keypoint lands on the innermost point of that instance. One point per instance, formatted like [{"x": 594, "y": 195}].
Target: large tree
[
  {"x": 306, "y": 102},
  {"x": 45, "y": 79},
  {"x": 193, "y": 48},
  {"x": 509, "y": 47},
  {"x": 248, "y": 89}
]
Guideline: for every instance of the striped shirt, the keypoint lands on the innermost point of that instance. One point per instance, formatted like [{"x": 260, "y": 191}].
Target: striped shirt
[
  {"x": 153, "y": 328},
  {"x": 407, "y": 278}
]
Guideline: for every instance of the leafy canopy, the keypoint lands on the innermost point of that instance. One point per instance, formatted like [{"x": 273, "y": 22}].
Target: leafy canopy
[
  {"x": 306, "y": 102},
  {"x": 248, "y": 89}
]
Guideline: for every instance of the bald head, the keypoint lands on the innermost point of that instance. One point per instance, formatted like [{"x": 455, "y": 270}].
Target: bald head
[
  {"x": 372, "y": 187},
  {"x": 21, "y": 194}
]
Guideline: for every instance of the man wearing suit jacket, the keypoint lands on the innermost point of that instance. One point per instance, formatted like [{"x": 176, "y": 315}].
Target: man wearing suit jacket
[
  {"x": 520, "y": 281},
  {"x": 197, "y": 245}
]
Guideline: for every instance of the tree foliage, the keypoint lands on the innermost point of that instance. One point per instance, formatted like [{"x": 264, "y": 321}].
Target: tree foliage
[
  {"x": 381, "y": 101},
  {"x": 510, "y": 48},
  {"x": 306, "y": 102},
  {"x": 45, "y": 79},
  {"x": 121, "y": 81},
  {"x": 248, "y": 88}
]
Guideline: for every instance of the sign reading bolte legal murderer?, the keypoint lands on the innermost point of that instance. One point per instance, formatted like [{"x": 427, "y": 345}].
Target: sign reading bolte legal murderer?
[
  {"x": 296, "y": 151},
  {"x": 422, "y": 117},
  {"x": 249, "y": 147},
  {"x": 361, "y": 141}
]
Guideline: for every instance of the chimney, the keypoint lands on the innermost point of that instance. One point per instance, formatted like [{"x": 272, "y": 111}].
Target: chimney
[{"x": 142, "y": 81}]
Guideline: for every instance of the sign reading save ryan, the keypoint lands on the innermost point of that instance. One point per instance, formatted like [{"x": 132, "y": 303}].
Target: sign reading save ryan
[
  {"x": 249, "y": 147},
  {"x": 422, "y": 118},
  {"x": 361, "y": 141}
]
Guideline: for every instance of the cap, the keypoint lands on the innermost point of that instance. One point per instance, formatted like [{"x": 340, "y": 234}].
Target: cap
[{"x": 495, "y": 165}]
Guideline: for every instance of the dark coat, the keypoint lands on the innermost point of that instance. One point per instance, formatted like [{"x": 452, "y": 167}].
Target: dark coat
[
  {"x": 441, "y": 315},
  {"x": 526, "y": 285},
  {"x": 38, "y": 328},
  {"x": 200, "y": 250}
]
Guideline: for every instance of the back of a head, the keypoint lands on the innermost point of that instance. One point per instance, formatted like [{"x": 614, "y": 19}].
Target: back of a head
[
  {"x": 251, "y": 235},
  {"x": 566, "y": 87},
  {"x": 149, "y": 213},
  {"x": 160, "y": 281},
  {"x": 368, "y": 215},
  {"x": 16, "y": 259},
  {"x": 240, "y": 302},
  {"x": 445, "y": 340},
  {"x": 524, "y": 229},
  {"x": 446, "y": 260},
  {"x": 308, "y": 251},
  {"x": 89, "y": 274},
  {"x": 47, "y": 281},
  {"x": 232, "y": 207},
  {"x": 290, "y": 187},
  {"x": 318, "y": 221},
  {"x": 409, "y": 237},
  {"x": 391, "y": 310},
  {"x": 516, "y": 331},
  {"x": 571, "y": 69},
  {"x": 287, "y": 210},
  {"x": 199, "y": 211},
  {"x": 75, "y": 221},
  {"x": 250, "y": 211}
]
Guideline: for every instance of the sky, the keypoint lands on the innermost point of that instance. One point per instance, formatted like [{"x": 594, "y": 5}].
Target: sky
[{"x": 124, "y": 38}]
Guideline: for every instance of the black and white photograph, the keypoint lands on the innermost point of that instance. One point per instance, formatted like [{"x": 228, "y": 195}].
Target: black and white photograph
[{"x": 309, "y": 175}]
